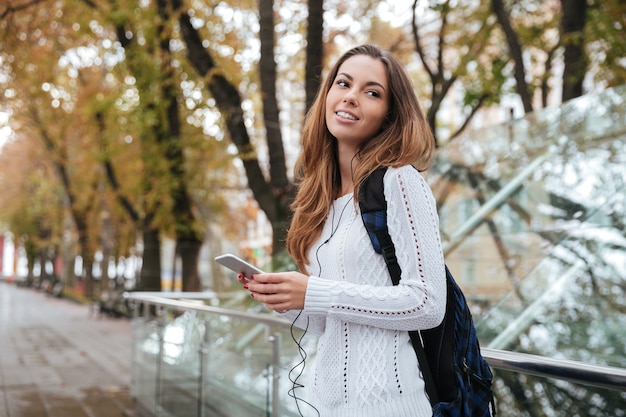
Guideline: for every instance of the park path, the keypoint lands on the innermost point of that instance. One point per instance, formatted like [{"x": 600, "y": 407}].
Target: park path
[{"x": 58, "y": 360}]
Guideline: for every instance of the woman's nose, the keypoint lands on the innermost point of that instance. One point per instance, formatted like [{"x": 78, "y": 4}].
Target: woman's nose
[{"x": 349, "y": 98}]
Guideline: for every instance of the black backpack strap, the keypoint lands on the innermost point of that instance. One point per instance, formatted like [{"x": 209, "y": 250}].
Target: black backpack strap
[
  {"x": 431, "y": 387},
  {"x": 374, "y": 213}
]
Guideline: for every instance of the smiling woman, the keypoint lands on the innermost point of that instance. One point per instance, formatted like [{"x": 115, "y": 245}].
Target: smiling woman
[{"x": 366, "y": 116}]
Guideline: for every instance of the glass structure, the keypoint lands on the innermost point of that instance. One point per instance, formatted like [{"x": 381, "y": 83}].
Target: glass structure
[{"x": 533, "y": 218}]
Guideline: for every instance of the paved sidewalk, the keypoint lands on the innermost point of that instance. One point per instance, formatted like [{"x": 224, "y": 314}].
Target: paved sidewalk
[{"x": 58, "y": 361}]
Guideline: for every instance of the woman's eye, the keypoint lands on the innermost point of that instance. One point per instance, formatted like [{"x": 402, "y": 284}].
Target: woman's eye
[
  {"x": 342, "y": 83},
  {"x": 373, "y": 93}
]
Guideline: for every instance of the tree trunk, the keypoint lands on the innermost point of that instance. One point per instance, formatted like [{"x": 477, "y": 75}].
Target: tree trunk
[
  {"x": 572, "y": 38},
  {"x": 267, "y": 74},
  {"x": 150, "y": 275},
  {"x": 88, "y": 275},
  {"x": 189, "y": 252},
  {"x": 168, "y": 132},
  {"x": 314, "y": 51}
]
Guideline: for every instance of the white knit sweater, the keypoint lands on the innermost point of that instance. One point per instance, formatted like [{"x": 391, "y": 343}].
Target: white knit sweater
[{"x": 365, "y": 364}]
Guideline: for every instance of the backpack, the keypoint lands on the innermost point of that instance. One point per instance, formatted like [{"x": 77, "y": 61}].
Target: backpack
[{"x": 458, "y": 379}]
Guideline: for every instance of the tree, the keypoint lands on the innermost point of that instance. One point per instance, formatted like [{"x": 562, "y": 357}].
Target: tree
[
  {"x": 30, "y": 202},
  {"x": 273, "y": 195},
  {"x": 162, "y": 148},
  {"x": 47, "y": 103},
  {"x": 561, "y": 36},
  {"x": 455, "y": 47}
]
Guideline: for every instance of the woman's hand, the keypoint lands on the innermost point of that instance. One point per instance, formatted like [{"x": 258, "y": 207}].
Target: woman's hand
[{"x": 278, "y": 291}]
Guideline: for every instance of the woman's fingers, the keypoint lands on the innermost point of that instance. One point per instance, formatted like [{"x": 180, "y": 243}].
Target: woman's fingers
[
  {"x": 275, "y": 302},
  {"x": 243, "y": 280},
  {"x": 279, "y": 291}
]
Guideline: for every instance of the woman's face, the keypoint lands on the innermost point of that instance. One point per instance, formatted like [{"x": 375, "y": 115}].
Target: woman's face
[{"x": 358, "y": 100}]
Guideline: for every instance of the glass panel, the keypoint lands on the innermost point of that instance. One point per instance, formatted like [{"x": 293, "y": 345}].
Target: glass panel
[
  {"x": 520, "y": 395},
  {"x": 533, "y": 219},
  {"x": 145, "y": 362},
  {"x": 179, "y": 386},
  {"x": 208, "y": 361}
]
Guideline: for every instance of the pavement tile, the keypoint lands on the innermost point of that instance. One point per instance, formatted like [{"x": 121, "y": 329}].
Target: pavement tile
[
  {"x": 57, "y": 360},
  {"x": 25, "y": 404}
]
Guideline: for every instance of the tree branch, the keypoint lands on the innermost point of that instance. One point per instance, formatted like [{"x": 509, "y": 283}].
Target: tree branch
[{"x": 516, "y": 53}]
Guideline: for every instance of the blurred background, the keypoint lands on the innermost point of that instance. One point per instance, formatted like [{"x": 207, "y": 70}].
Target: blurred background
[{"x": 140, "y": 139}]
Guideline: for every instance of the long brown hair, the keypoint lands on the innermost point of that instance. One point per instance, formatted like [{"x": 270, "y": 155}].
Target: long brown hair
[{"x": 405, "y": 139}]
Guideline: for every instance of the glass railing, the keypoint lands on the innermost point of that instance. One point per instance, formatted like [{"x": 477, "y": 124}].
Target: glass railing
[
  {"x": 201, "y": 358},
  {"x": 197, "y": 358}
]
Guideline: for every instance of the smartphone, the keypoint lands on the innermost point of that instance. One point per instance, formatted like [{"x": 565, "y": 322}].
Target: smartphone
[{"x": 237, "y": 265}]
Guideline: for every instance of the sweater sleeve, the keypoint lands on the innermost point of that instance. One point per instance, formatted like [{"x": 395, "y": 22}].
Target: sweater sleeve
[
  {"x": 418, "y": 302},
  {"x": 314, "y": 324}
]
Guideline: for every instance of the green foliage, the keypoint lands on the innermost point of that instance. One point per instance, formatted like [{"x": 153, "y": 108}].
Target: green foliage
[{"x": 606, "y": 42}]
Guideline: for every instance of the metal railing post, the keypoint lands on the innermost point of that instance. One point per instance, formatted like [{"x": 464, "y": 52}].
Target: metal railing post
[
  {"x": 276, "y": 341},
  {"x": 135, "y": 352},
  {"x": 202, "y": 377},
  {"x": 161, "y": 323}
]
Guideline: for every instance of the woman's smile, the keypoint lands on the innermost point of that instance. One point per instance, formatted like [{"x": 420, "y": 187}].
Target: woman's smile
[{"x": 346, "y": 115}]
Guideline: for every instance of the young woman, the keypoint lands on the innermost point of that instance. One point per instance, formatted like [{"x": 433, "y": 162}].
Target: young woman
[{"x": 366, "y": 115}]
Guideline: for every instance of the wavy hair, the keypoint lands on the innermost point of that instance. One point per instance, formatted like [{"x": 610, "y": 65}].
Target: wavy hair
[{"x": 405, "y": 138}]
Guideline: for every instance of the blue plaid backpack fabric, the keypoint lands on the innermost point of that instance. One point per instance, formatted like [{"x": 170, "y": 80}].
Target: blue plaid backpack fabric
[{"x": 458, "y": 379}]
